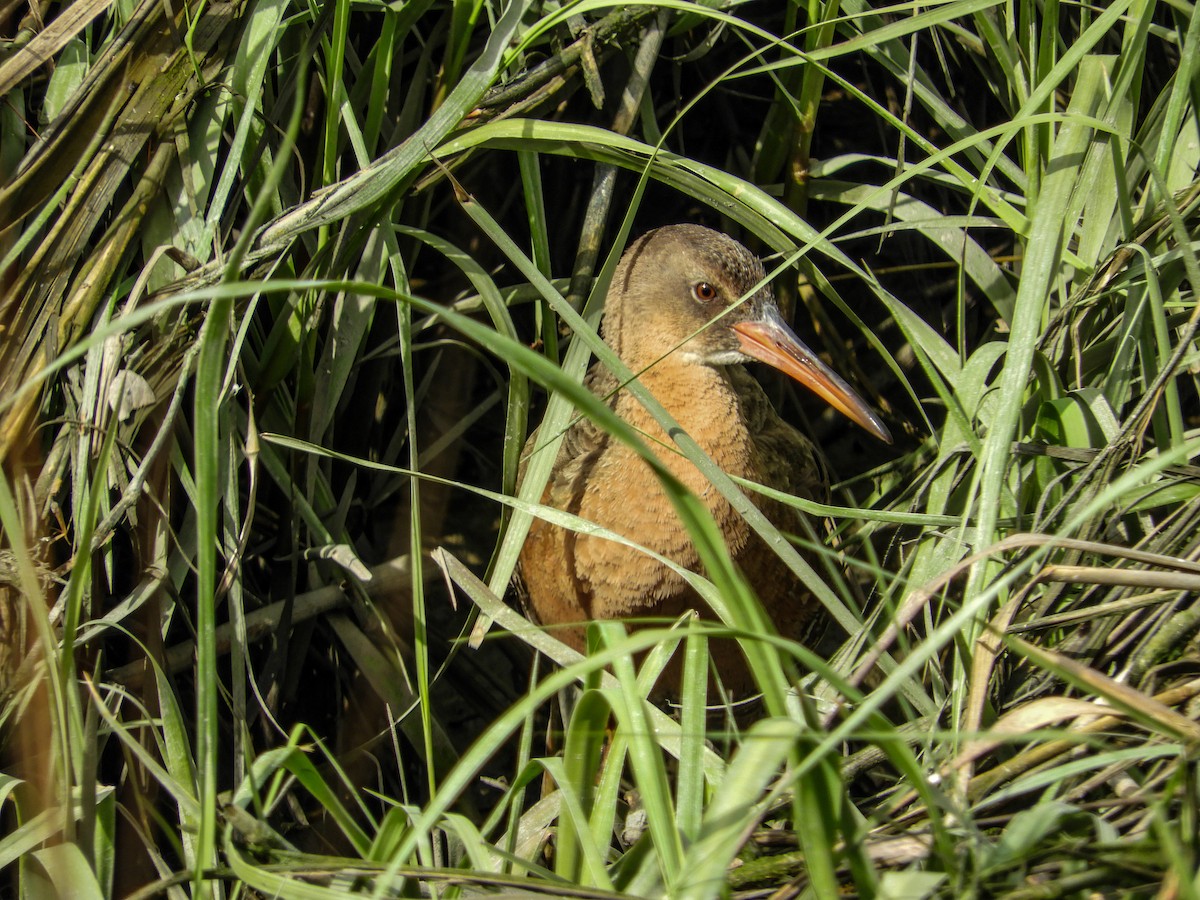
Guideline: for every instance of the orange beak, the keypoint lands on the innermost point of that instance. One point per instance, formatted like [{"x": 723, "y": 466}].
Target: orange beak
[{"x": 771, "y": 341}]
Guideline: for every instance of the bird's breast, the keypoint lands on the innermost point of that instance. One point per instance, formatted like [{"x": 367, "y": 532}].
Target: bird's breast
[
  {"x": 621, "y": 492},
  {"x": 572, "y": 577}
]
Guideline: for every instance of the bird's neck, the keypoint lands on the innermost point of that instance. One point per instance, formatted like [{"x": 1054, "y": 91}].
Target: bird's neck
[{"x": 703, "y": 400}]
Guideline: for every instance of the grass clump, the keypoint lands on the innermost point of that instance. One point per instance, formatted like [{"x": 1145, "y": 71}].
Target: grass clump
[{"x": 285, "y": 288}]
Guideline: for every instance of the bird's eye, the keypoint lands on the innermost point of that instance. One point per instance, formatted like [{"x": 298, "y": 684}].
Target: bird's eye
[{"x": 704, "y": 292}]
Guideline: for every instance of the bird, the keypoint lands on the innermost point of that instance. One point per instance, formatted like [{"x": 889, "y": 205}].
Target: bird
[{"x": 686, "y": 308}]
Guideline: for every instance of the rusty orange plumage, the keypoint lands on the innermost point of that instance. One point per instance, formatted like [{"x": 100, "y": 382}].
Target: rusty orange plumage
[{"x": 673, "y": 283}]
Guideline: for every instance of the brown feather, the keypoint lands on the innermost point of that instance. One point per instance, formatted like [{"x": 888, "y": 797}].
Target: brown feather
[{"x": 572, "y": 578}]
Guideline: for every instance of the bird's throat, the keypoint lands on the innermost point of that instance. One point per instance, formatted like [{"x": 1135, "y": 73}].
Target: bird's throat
[{"x": 704, "y": 403}]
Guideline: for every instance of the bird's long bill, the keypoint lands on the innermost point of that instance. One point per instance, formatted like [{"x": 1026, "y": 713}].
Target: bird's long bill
[{"x": 771, "y": 341}]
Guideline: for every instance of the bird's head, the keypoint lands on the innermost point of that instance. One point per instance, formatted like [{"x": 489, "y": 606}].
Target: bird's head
[{"x": 695, "y": 292}]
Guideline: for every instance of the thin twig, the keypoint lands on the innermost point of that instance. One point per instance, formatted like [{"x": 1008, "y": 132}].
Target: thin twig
[{"x": 387, "y": 578}]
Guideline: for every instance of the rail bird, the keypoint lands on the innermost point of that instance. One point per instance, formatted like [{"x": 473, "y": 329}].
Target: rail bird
[{"x": 686, "y": 309}]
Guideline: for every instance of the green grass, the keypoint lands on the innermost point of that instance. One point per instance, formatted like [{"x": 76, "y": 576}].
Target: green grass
[{"x": 339, "y": 260}]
